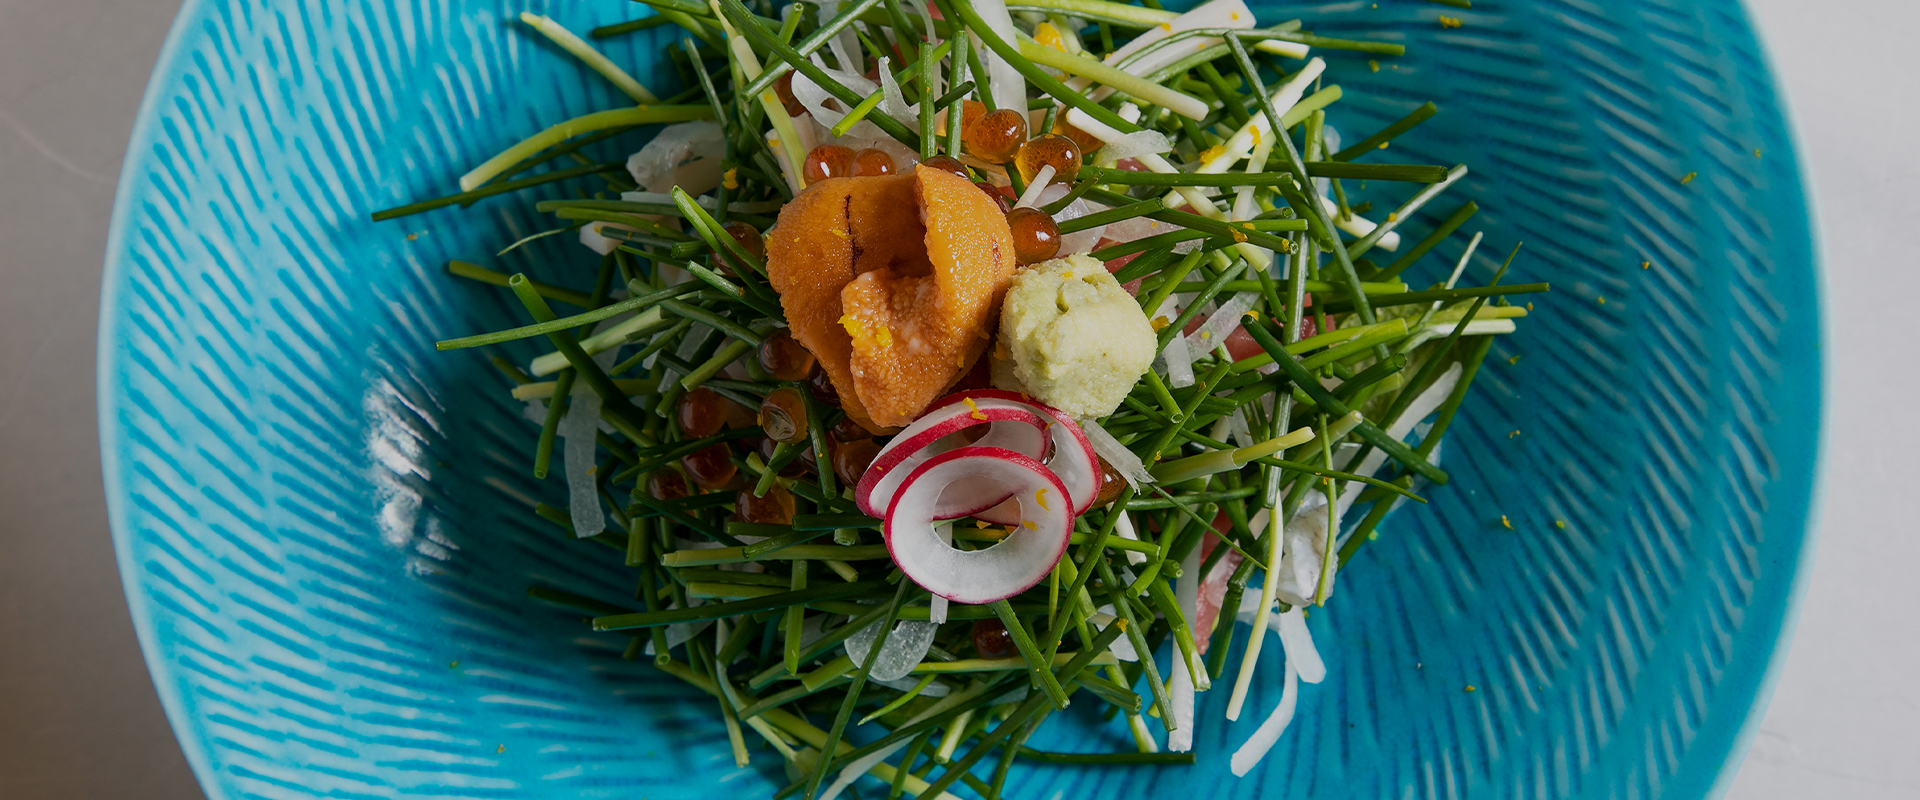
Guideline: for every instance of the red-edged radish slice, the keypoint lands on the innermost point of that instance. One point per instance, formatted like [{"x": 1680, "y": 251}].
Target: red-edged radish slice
[
  {"x": 1012, "y": 426},
  {"x": 1010, "y": 566},
  {"x": 1073, "y": 458}
]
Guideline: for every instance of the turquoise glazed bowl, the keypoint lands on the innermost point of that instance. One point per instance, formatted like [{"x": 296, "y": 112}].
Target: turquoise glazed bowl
[{"x": 322, "y": 523}]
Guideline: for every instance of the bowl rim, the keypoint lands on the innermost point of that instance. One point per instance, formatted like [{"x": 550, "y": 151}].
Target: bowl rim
[{"x": 168, "y": 63}]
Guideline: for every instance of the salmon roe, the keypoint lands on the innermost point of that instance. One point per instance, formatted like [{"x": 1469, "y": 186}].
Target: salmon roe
[
  {"x": 828, "y": 161},
  {"x": 1048, "y": 150},
  {"x": 948, "y": 164},
  {"x": 997, "y": 135},
  {"x": 1035, "y": 237},
  {"x": 872, "y": 162},
  {"x": 784, "y": 358}
]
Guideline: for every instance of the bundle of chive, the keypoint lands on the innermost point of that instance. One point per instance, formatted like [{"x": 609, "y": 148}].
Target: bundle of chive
[{"x": 774, "y": 560}]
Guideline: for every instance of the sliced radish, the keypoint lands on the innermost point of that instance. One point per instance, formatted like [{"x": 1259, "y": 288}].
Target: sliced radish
[
  {"x": 1073, "y": 458},
  {"x": 1011, "y": 426},
  {"x": 1007, "y": 568}
]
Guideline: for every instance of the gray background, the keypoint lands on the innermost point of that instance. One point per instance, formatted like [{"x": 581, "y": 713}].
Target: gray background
[{"x": 78, "y": 716}]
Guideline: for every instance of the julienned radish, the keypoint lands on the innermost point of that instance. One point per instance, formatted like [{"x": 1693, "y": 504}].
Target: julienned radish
[{"x": 1007, "y": 568}]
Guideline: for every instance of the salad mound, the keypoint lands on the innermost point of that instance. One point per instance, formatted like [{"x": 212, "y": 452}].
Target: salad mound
[{"x": 947, "y": 363}]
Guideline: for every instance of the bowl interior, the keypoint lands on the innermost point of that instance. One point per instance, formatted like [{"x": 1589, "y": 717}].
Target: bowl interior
[{"x": 323, "y": 523}]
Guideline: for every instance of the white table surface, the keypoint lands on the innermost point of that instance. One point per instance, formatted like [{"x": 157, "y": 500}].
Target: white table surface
[{"x": 78, "y": 716}]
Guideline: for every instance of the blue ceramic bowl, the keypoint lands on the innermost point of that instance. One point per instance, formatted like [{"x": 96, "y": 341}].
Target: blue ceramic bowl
[{"x": 323, "y": 524}]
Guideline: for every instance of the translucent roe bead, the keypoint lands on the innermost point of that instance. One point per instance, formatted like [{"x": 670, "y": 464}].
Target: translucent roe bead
[
  {"x": 750, "y": 241},
  {"x": 665, "y": 484},
  {"x": 1035, "y": 237},
  {"x": 776, "y": 508},
  {"x": 948, "y": 164},
  {"x": 999, "y": 197},
  {"x": 701, "y": 413},
  {"x": 1111, "y": 484},
  {"x": 710, "y": 468},
  {"x": 1048, "y": 150},
  {"x": 794, "y": 467},
  {"x": 783, "y": 415},
  {"x": 846, "y": 430},
  {"x": 1087, "y": 141},
  {"x": 872, "y": 162},
  {"x": 970, "y": 112},
  {"x": 851, "y": 459},
  {"x": 828, "y": 161},
  {"x": 784, "y": 358},
  {"x": 784, "y": 88},
  {"x": 992, "y": 640},
  {"x": 997, "y": 135},
  {"x": 822, "y": 388}
]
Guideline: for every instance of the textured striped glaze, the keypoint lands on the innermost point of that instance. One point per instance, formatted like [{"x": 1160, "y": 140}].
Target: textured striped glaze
[{"x": 317, "y": 515}]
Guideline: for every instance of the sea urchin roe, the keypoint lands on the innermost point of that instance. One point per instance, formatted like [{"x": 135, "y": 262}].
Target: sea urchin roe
[
  {"x": 1075, "y": 339},
  {"x": 893, "y": 282}
]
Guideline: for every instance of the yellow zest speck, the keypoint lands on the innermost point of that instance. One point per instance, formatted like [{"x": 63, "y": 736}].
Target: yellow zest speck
[
  {"x": 1529, "y": 306},
  {"x": 1251, "y": 313},
  {"x": 884, "y": 336},
  {"x": 1469, "y": 687},
  {"x": 413, "y": 237},
  {"x": 1373, "y": 65},
  {"x": 1393, "y": 216},
  {"x": 973, "y": 410},
  {"x": 1255, "y": 130},
  {"x": 1213, "y": 152},
  {"x": 1206, "y": 334},
  {"x": 453, "y": 665},
  {"x": 1513, "y": 434},
  {"x": 1689, "y": 178},
  {"x": 500, "y": 749},
  {"x": 1040, "y": 496},
  {"x": 1160, "y": 323},
  {"x": 1048, "y": 36},
  {"x": 979, "y": 524},
  {"x": 1450, "y": 22},
  {"x": 1514, "y": 360},
  {"x": 1756, "y": 152},
  {"x": 1646, "y": 265},
  {"x": 593, "y": 469},
  {"x": 1028, "y": 525},
  {"x": 1235, "y": 16},
  {"x": 730, "y": 179},
  {"x": 1383, "y": 145},
  {"x": 1166, "y": 27},
  {"x": 855, "y": 328},
  {"x": 1603, "y": 301},
  {"x": 1067, "y": 275},
  {"x": 1122, "y": 622},
  {"x": 1504, "y": 523},
  {"x": 1560, "y": 523},
  {"x": 837, "y": 232}
]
